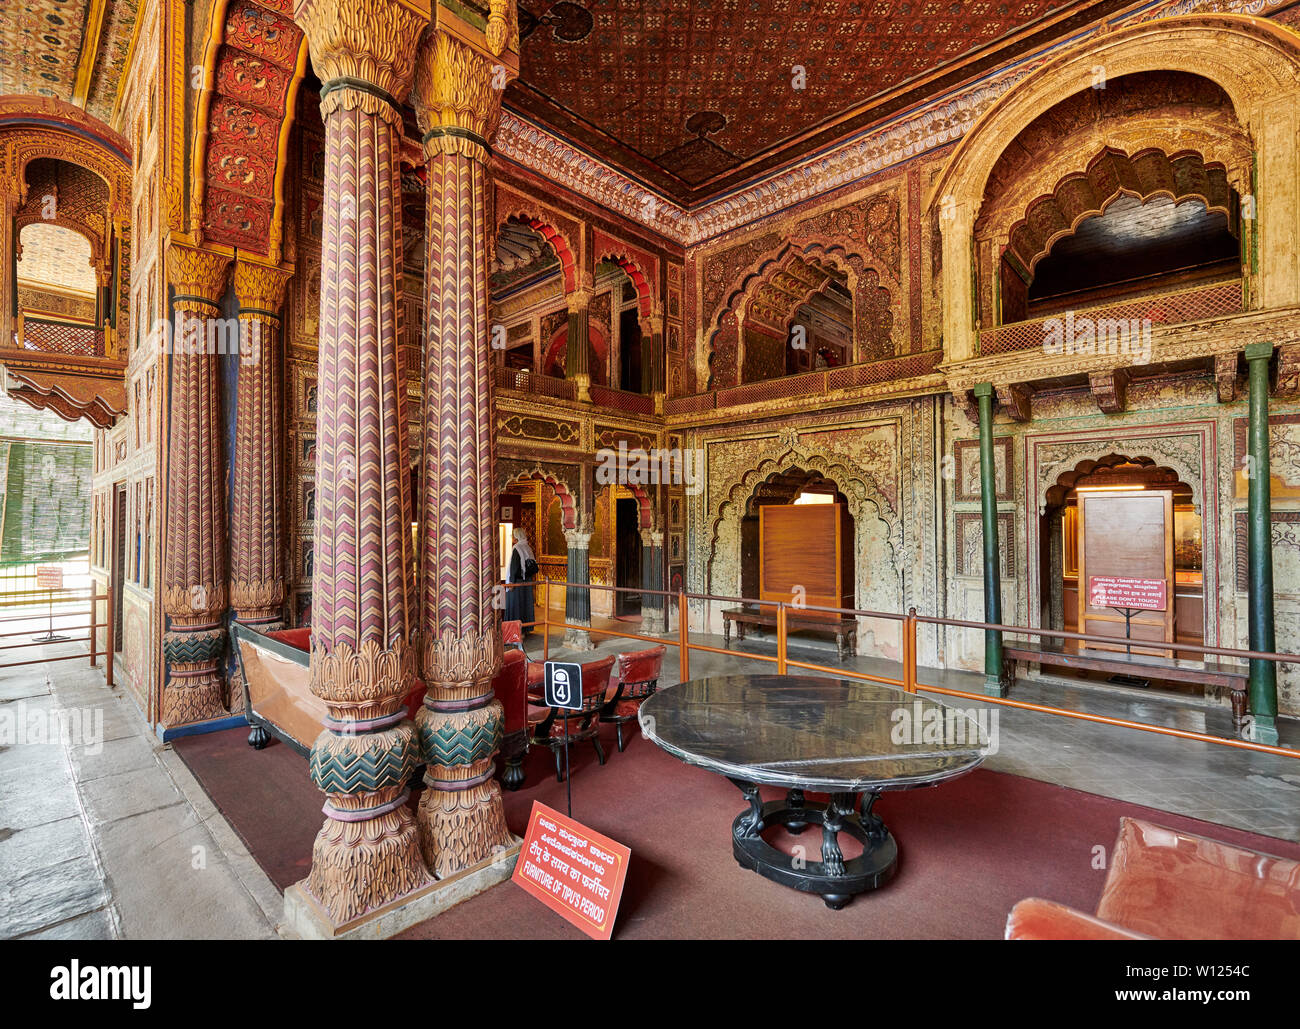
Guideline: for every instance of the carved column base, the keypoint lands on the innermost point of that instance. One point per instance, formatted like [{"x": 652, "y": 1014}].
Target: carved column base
[
  {"x": 459, "y": 829},
  {"x": 367, "y": 854},
  {"x": 652, "y": 621},
  {"x": 460, "y": 818},
  {"x": 578, "y": 639},
  {"x": 192, "y": 697},
  {"x": 195, "y": 690},
  {"x": 357, "y": 867}
]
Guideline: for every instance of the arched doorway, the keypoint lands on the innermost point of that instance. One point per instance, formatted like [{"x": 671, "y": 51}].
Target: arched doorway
[{"x": 1060, "y": 544}]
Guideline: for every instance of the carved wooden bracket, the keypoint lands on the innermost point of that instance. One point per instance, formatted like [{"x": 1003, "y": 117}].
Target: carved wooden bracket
[
  {"x": 1287, "y": 380},
  {"x": 1109, "y": 389},
  {"x": 1014, "y": 399},
  {"x": 1225, "y": 376}
]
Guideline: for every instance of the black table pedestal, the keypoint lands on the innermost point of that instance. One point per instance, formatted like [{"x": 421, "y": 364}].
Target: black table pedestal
[{"x": 833, "y": 878}]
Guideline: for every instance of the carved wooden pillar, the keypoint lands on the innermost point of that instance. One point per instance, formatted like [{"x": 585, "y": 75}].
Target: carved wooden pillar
[
  {"x": 577, "y": 602},
  {"x": 994, "y": 683},
  {"x": 194, "y": 542},
  {"x": 363, "y": 654},
  {"x": 1259, "y": 549},
  {"x": 257, "y": 527},
  {"x": 652, "y": 354},
  {"x": 11, "y": 198},
  {"x": 458, "y": 103},
  {"x": 652, "y": 578},
  {"x": 577, "y": 352}
]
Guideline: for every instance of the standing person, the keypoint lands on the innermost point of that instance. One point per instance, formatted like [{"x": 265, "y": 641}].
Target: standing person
[{"x": 523, "y": 568}]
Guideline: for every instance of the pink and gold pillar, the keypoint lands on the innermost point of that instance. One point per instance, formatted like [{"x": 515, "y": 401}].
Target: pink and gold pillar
[
  {"x": 257, "y": 524},
  {"x": 194, "y": 591},
  {"x": 365, "y": 618},
  {"x": 460, "y": 75}
]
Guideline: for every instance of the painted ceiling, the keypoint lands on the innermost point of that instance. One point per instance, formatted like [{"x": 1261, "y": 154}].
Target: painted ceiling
[
  {"x": 71, "y": 50},
  {"x": 695, "y": 96}
]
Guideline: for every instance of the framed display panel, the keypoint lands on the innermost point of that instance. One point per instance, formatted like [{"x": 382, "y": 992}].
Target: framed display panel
[
  {"x": 805, "y": 547},
  {"x": 1126, "y": 548}
]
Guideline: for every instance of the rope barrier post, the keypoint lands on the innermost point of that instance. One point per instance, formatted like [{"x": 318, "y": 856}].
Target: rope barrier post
[
  {"x": 780, "y": 639},
  {"x": 909, "y": 651},
  {"x": 684, "y": 638}
]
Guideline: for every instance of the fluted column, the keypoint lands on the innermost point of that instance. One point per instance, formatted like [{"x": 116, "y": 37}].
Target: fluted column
[
  {"x": 577, "y": 353},
  {"x": 257, "y": 516},
  {"x": 652, "y": 347},
  {"x": 577, "y": 602},
  {"x": 652, "y": 578},
  {"x": 458, "y": 102},
  {"x": 194, "y": 542},
  {"x": 10, "y": 201},
  {"x": 364, "y": 618}
]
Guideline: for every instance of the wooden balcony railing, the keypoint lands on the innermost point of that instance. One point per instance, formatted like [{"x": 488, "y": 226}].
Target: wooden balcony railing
[
  {"x": 808, "y": 384},
  {"x": 521, "y": 380},
  {"x": 1159, "y": 309},
  {"x": 54, "y": 337}
]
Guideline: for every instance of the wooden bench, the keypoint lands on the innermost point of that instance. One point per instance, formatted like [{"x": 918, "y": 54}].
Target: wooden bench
[
  {"x": 845, "y": 630},
  {"x": 1208, "y": 673}
]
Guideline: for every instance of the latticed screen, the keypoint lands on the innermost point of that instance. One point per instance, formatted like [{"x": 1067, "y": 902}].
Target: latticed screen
[
  {"x": 63, "y": 338},
  {"x": 46, "y": 493},
  {"x": 1162, "y": 309}
]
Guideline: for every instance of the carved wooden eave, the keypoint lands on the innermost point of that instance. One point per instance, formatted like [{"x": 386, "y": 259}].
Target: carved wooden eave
[
  {"x": 1170, "y": 344},
  {"x": 72, "y": 387}
]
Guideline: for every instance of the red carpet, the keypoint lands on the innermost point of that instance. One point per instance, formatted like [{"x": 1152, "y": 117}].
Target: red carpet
[{"x": 968, "y": 850}]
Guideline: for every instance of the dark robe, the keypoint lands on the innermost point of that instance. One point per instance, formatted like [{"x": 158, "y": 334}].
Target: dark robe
[{"x": 519, "y": 602}]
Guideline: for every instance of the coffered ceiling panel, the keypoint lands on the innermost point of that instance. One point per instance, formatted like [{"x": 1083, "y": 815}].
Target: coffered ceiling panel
[{"x": 694, "y": 96}]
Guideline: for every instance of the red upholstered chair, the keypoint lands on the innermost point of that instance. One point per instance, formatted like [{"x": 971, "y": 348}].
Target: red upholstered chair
[
  {"x": 550, "y": 726},
  {"x": 1170, "y": 885},
  {"x": 638, "y": 677},
  {"x": 512, "y": 634},
  {"x": 511, "y": 689}
]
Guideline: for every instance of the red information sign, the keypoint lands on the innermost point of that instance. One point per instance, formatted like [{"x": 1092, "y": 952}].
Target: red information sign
[
  {"x": 49, "y": 577},
  {"x": 575, "y": 872},
  {"x": 1134, "y": 594}
]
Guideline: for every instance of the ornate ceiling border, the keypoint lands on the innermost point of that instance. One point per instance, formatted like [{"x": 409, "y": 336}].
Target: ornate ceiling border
[{"x": 942, "y": 121}]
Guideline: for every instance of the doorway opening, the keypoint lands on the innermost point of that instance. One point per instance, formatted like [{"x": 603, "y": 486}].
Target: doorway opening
[
  {"x": 627, "y": 573},
  {"x": 1167, "y": 546}
]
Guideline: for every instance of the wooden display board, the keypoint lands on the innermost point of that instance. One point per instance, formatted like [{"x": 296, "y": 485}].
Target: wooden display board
[
  {"x": 808, "y": 546},
  {"x": 1126, "y": 559}
]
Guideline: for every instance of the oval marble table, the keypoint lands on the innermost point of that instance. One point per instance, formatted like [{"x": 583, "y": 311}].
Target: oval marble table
[{"x": 852, "y": 740}]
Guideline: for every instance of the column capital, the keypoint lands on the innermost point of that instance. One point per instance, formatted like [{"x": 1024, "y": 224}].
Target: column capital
[
  {"x": 197, "y": 275},
  {"x": 461, "y": 73},
  {"x": 579, "y": 300},
  {"x": 260, "y": 288},
  {"x": 577, "y": 539},
  {"x": 1259, "y": 351},
  {"x": 363, "y": 51},
  {"x": 983, "y": 389}
]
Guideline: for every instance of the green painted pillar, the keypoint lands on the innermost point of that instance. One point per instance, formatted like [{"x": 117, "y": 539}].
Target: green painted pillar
[
  {"x": 994, "y": 684},
  {"x": 1259, "y": 548}
]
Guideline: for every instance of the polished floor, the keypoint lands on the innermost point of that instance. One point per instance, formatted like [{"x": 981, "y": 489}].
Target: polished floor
[{"x": 112, "y": 837}]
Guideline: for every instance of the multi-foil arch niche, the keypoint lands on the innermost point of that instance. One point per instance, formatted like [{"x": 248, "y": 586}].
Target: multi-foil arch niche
[
  {"x": 871, "y": 283},
  {"x": 1187, "y": 449},
  {"x": 878, "y": 530}
]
